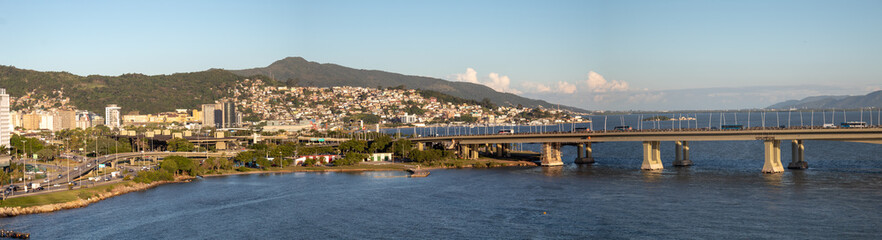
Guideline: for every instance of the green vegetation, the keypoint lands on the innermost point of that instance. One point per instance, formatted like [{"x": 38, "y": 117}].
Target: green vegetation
[
  {"x": 179, "y": 145},
  {"x": 57, "y": 197},
  {"x": 366, "y": 117},
  {"x": 130, "y": 91},
  {"x": 152, "y": 176}
]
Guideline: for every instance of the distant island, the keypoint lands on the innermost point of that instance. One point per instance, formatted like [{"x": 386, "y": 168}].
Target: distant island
[
  {"x": 657, "y": 118},
  {"x": 665, "y": 118}
]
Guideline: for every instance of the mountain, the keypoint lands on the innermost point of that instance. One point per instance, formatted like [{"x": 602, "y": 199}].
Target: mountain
[
  {"x": 873, "y": 99},
  {"x": 296, "y": 71},
  {"x": 133, "y": 92}
]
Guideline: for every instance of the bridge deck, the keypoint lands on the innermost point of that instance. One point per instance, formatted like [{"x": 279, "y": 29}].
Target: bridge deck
[{"x": 867, "y": 135}]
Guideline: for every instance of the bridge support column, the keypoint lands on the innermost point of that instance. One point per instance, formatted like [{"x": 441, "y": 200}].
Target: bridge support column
[
  {"x": 421, "y": 146},
  {"x": 773, "y": 157},
  {"x": 551, "y": 154},
  {"x": 465, "y": 151},
  {"x": 584, "y": 154},
  {"x": 682, "y": 149},
  {"x": 475, "y": 152},
  {"x": 797, "y": 160},
  {"x": 651, "y": 156},
  {"x": 506, "y": 150},
  {"x": 500, "y": 150}
]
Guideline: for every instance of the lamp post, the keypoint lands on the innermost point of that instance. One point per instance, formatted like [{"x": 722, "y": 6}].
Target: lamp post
[{"x": 24, "y": 166}]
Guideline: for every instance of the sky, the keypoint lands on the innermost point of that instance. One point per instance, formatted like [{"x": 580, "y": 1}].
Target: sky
[{"x": 596, "y": 55}]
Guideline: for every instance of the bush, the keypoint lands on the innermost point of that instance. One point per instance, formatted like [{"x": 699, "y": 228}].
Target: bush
[
  {"x": 85, "y": 195},
  {"x": 243, "y": 169},
  {"x": 151, "y": 176}
]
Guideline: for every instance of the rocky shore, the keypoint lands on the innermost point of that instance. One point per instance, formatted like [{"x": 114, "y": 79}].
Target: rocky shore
[{"x": 116, "y": 191}]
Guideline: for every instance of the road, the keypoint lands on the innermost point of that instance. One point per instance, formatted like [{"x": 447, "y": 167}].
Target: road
[{"x": 89, "y": 164}]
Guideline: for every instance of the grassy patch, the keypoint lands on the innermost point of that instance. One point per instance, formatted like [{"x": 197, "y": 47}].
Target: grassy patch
[{"x": 57, "y": 197}]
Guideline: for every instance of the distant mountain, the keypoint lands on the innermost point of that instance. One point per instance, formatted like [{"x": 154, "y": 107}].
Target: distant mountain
[
  {"x": 873, "y": 99},
  {"x": 132, "y": 92},
  {"x": 296, "y": 71}
]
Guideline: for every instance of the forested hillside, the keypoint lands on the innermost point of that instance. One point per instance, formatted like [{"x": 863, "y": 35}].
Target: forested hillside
[{"x": 133, "y": 92}]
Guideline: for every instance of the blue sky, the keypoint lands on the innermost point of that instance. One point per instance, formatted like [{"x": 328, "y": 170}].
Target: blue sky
[{"x": 613, "y": 55}]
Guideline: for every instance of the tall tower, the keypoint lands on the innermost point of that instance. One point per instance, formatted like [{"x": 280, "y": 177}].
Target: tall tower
[
  {"x": 229, "y": 111},
  {"x": 208, "y": 115},
  {"x": 111, "y": 116},
  {"x": 5, "y": 119}
]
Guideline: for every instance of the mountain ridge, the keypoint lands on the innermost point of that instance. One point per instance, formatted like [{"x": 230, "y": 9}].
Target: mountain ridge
[
  {"x": 872, "y": 99},
  {"x": 297, "y": 71}
]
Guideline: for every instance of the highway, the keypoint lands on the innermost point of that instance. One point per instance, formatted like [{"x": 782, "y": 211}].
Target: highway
[{"x": 89, "y": 164}]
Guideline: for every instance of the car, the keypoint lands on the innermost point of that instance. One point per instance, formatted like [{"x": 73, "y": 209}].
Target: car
[
  {"x": 76, "y": 168},
  {"x": 622, "y": 128}
]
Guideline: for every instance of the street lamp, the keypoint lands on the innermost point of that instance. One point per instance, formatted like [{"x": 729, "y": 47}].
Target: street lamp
[{"x": 24, "y": 166}]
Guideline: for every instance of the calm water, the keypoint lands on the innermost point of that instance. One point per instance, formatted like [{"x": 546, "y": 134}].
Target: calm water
[{"x": 723, "y": 196}]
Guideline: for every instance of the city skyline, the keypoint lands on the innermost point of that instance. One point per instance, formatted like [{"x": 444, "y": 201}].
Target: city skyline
[{"x": 595, "y": 55}]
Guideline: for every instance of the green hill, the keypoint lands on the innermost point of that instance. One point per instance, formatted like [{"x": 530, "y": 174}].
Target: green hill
[
  {"x": 133, "y": 92},
  {"x": 296, "y": 71}
]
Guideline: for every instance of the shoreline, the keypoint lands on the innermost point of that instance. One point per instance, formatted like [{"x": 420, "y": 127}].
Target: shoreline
[{"x": 125, "y": 187}]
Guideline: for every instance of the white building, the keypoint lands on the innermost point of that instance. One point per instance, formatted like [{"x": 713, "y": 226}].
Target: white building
[
  {"x": 83, "y": 120},
  {"x": 5, "y": 119},
  {"x": 112, "y": 116}
]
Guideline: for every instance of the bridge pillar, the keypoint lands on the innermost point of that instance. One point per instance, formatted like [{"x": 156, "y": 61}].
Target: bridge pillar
[
  {"x": 465, "y": 151},
  {"x": 551, "y": 154},
  {"x": 797, "y": 160},
  {"x": 772, "y": 157},
  {"x": 475, "y": 153},
  {"x": 682, "y": 154},
  {"x": 651, "y": 156},
  {"x": 584, "y": 154},
  {"x": 500, "y": 150},
  {"x": 421, "y": 146},
  {"x": 507, "y": 150}
]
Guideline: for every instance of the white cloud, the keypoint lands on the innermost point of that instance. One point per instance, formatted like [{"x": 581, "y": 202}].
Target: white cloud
[
  {"x": 496, "y": 81},
  {"x": 597, "y": 83},
  {"x": 469, "y": 76},
  {"x": 536, "y": 87},
  {"x": 565, "y": 87}
]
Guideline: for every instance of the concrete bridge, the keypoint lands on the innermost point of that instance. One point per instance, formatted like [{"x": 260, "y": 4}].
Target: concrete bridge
[{"x": 500, "y": 144}]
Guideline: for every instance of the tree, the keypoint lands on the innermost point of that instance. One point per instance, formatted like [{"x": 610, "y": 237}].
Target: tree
[
  {"x": 401, "y": 147},
  {"x": 353, "y": 145},
  {"x": 310, "y": 162},
  {"x": 46, "y": 154},
  {"x": 380, "y": 144},
  {"x": 250, "y": 157},
  {"x": 179, "y": 145},
  {"x": 350, "y": 159},
  {"x": 169, "y": 165},
  {"x": 185, "y": 165}
]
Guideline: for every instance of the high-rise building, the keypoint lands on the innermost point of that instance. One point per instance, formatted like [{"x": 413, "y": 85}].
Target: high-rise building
[
  {"x": 208, "y": 115},
  {"x": 112, "y": 116},
  {"x": 5, "y": 119},
  {"x": 230, "y": 118},
  {"x": 218, "y": 118}
]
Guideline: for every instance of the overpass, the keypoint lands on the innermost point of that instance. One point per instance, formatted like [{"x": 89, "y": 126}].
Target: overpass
[
  {"x": 88, "y": 166},
  {"x": 467, "y": 145}
]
